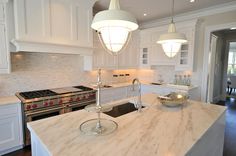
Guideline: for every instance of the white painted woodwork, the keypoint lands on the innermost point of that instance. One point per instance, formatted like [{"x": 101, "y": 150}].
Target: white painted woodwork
[
  {"x": 155, "y": 54},
  {"x": 127, "y": 59},
  {"x": 51, "y": 25},
  {"x": 118, "y": 93},
  {"x": 164, "y": 90},
  {"x": 11, "y": 136},
  {"x": 185, "y": 56},
  {"x": 4, "y": 44},
  {"x": 2, "y": 15}
]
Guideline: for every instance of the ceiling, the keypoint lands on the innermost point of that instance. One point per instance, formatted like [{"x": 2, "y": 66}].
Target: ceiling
[{"x": 156, "y": 9}]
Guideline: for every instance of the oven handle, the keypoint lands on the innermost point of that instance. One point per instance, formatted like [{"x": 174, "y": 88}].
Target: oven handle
[{"x": 44, "y": 111}]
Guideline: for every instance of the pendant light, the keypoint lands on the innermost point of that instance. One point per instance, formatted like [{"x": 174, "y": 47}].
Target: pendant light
[
  {"x": 114, "y": 27},
  {"x": 171, "y": 42}
]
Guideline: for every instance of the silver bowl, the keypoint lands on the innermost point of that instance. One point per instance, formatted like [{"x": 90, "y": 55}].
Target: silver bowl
[{"x": 173, "y": 99}]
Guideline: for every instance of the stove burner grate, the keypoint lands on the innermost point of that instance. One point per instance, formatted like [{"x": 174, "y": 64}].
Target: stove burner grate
[{"x": 37, "y": 94}]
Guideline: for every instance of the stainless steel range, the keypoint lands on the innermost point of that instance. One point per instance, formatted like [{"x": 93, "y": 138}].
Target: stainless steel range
[{"x": 51, "y": 102}]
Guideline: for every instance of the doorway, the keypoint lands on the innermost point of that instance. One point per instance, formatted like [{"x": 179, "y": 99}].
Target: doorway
[
  {"x": 222, "y": 65},
  {"x": 231, "y": 69}
]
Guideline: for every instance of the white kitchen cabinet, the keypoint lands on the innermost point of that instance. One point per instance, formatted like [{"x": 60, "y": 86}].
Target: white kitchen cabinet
[
  {"x": 185, "y": 56},
  {"x": 145, "y": 50},
  {"x": 127, "y": 59},
  {"x": 156, "y": 55},
  {"x": 4, "y": 44},
  {"x": 113, "y": 94},
  {"x": 11, "y": 137},
  {"x": 118, "y": 93},
  {"x": 133, "y": 90},
  {"x": 165, "y": 89},
  {"x": 2, "y": 14},
  {"x": 101, "y": 58},
  {"x": 4, "y": 52},
  {"x": 53, "y": 26},
  {"x": 152, "y": 54}
]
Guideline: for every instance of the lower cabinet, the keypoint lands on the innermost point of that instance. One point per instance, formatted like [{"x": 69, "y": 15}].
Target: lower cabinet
[
  {"x": 164, "y": 90},
  {"x": 11, "y": 137},
  {"x": 114, "y": 94}
]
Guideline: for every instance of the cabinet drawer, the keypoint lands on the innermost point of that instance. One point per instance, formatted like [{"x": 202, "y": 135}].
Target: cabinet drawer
[
  {"x": 8, "y": 110},
  {"x": 2, "y": 12}
]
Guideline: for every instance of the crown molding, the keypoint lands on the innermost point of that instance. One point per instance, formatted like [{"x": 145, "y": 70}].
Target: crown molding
[{"x": 226, "y": 7}]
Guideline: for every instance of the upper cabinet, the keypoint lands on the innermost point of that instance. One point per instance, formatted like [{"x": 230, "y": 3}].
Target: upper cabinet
[
  {"x": 4, "y": 44},
  {"x": 184, "y": 59},
  {"x": 127, "y": 59},
  {"x": 61, "y": 26},
  {"x": 152, "y": 54}
]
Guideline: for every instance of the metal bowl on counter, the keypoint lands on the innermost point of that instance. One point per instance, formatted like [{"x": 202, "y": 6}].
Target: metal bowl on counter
[{"x": 173, "y": 99}]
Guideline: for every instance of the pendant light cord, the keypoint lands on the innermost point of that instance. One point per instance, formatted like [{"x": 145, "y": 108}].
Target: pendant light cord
[{"x": 172, "y": 18}]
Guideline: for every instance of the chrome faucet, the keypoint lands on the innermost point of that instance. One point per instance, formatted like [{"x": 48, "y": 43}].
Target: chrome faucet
[{"x": 138, "y": 105}]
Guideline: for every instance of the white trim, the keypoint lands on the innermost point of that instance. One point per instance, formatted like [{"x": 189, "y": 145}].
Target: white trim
[
  {"x": 46, "y": 47},
  {"x": 3, "y": 1},
  {"x": 208, "y": 31},
  {"x": 226, "y": 7},
  {"x": 11, "y": 150},
  {"x": 211, "y": 79}
]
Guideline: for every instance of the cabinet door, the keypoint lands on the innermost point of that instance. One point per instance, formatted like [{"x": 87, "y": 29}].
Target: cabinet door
[
  {"x": 184, "y": 59},
  {"x": 10, "y": 133},
  {"x": 133, "y": 90},
  {"x": 129, "y": 57},
  {"x": 65, "y": 22},
  {"x": 10, "y": 127},
  {"x": 3, "y": 50},
  {"x": 2, "y": 16},
  {"x": 145, "y": 57}
]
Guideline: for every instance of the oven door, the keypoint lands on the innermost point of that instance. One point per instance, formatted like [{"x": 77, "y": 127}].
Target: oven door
[{"x": 37, "y": 115}]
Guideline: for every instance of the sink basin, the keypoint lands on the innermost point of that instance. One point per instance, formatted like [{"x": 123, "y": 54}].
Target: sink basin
[{"x": 122, "y": 110}]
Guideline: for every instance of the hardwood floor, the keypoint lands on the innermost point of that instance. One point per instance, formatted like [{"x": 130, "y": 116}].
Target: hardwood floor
[
  {"x": 230, "y": 131},
  {"x": 23, "y": 152}
]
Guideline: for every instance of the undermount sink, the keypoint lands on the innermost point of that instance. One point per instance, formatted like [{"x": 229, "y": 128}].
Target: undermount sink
[{"x": 122, "y": 110}]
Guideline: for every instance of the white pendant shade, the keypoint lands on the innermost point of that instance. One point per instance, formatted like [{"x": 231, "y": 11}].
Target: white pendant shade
[
  {"x": 171, "y": 42},
  {"x": 114, "y": 38},
  {"x": 114, "y": 27}
]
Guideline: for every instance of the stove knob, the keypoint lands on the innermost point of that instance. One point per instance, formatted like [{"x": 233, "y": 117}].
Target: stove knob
[
  {"x": 34, "y": 106},
  {"x": 71, "y": 99},
  {"x": 46, "y": 104},
  {"x": 51, "y": 103},
  {"x": 60, "y": 102},
  {"x": 28, "y": 107}
]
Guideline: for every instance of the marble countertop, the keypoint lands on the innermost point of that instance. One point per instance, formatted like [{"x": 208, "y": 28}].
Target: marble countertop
[
  {"x": 9, "y": 100},
  {"x": 157, "y": 130},
  {"x": 165, "y": 85}
]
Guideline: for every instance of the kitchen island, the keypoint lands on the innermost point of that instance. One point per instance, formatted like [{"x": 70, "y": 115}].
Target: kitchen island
[{"x": 195, "y": 129}]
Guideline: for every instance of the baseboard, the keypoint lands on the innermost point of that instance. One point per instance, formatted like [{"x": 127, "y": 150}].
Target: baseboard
[{"x": 11, "y": 150}]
